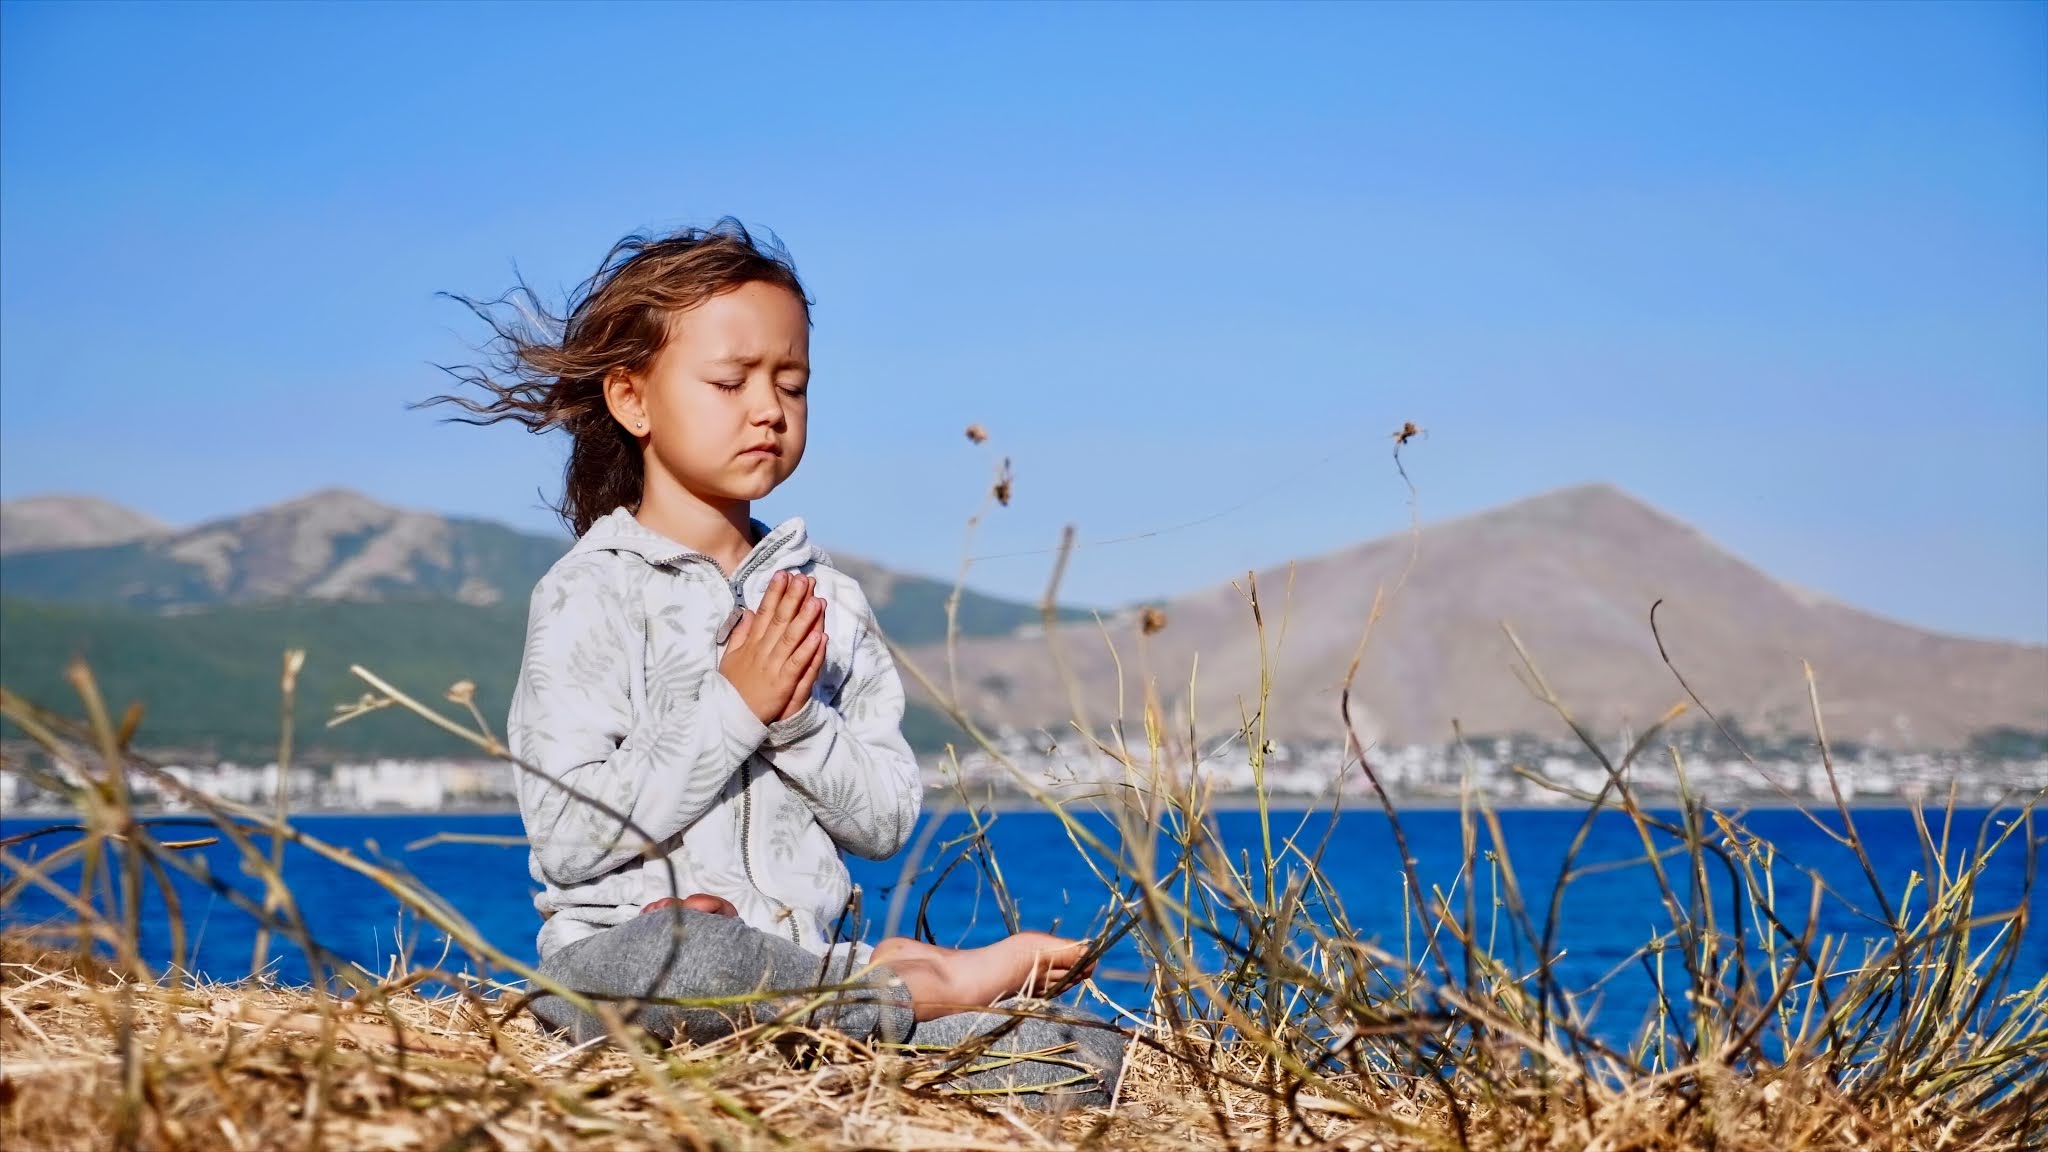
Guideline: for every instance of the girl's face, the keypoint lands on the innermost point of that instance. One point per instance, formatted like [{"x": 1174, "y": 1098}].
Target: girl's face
[{"x": 722, "y": 409}]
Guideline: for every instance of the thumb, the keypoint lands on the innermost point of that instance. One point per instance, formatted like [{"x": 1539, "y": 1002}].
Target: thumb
[{"x": 740, "y": 630}]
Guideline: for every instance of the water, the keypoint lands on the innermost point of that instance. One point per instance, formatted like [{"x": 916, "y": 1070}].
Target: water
[{"x": 1606, "y": 917}]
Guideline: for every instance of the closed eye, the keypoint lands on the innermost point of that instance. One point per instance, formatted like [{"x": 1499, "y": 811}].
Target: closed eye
[{"x": 727, "y": 386}]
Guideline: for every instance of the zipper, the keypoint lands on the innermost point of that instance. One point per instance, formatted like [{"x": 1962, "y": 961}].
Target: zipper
[
  {"x": 747, "y": 848},
  {"x": 737, "y": 586}
]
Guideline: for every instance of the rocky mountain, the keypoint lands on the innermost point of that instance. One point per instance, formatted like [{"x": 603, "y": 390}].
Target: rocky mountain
[
  {"x": 337, "y": 545},
  {"x": 330, "y": 545},
  {"x": 48, "y": 523},
  {"x": 192, "y": 623},
  {"x": 1575, "y": 573},
  {"x": 425, "y": 597},
  {"x": 209, "y": 676}
]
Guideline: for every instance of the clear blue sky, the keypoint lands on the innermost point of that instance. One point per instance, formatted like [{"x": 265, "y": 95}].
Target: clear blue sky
[{"x": 1782, "y": 271}]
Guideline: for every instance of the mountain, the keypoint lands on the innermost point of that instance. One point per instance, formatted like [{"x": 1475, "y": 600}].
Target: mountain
[
  {"x": 46, "y": 523},
  {"x": 912, "y": 609},
  {"x": 193, "y": 623},
  {"x": 1575, "y": 573},
  {"x": 331, "y": 545},
  {"x": 337, "y": 545},
  {"x": 209, "y": 676}
]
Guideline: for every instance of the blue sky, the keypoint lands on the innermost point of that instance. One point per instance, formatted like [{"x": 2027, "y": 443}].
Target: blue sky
[{"x": 1782, "y": 271}]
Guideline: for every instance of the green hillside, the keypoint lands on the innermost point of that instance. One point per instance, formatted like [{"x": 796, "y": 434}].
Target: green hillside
[
  {"x": 912, "y": 609},
  {"x": 209, "y": 677},
  {"x": 194, "y": 623},
  {"x": 472, "y": 554},
  {"x": 141, "y": 575}
]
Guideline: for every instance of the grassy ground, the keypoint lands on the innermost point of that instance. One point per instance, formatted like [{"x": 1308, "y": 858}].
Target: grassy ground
[{"x": 1273, "y": 1022}]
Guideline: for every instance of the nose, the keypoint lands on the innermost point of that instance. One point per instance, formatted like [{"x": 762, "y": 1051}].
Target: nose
[{"x": 767, "y": 409}]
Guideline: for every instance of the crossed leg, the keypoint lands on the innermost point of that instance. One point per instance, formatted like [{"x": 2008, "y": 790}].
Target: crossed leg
[
  {"x": 941, "y": 980},
  {"x": 694, "y": 957}
]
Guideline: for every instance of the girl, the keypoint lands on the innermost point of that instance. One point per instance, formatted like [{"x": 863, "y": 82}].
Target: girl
[{"x": 706, "y": 716}]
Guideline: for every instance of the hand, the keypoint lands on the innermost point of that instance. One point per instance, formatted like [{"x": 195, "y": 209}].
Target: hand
[
  {"x": 800, "y": 695},
  {"x": 774, "y": 655},
  {"x": 701, "y": 902}
]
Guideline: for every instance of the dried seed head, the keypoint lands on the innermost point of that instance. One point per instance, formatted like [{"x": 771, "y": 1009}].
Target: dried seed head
[
  {"x": 1151, "y": 621},
  {"x": 1002, "y": 489},
  {"x": 1408, "y": 432},
  {"x": 363, "y": 703},
  {"x": 977, "y": 434},
  {"x": 462, "y": 691},
  {"x": 131, "y": 719}
]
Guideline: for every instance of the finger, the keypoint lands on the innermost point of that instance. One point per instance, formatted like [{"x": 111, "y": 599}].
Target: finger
[
  {"x": 808, "y": 681},
  {"x": 771, "y": 600},
  {"x": 809, "y": 615},
  {"x": 740, "y": 630},
  {"x": 791, "y": 598},
  {"x": 805, "y": 651}
]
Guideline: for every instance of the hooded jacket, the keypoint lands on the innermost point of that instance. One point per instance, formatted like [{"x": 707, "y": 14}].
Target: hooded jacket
[{"x": 620, "y": 699}]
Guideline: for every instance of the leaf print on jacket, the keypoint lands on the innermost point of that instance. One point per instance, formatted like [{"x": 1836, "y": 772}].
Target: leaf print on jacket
[
  {"x": 850, "y": 762},
  {"x": 573, "y": 721},
  {"x": 619, "y": 699}
]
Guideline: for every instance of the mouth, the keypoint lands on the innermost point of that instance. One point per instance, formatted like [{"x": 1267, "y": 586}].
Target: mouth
[{"x": 766, "y": 451}]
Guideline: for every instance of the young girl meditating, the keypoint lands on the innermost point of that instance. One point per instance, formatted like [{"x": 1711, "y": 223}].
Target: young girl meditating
[{"x": 706, "y": 715}]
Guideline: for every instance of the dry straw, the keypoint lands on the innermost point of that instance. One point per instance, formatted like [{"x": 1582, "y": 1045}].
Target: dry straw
[{"x": 1272, "y": 1022}]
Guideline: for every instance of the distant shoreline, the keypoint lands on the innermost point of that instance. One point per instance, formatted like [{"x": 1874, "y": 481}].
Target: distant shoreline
[{"x": 1013, "y": 804}]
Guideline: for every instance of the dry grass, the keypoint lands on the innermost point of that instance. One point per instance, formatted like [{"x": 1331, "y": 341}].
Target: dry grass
[
  {"x": 1273, "y": 1022},
  {"x": 250, "y": 1067}
]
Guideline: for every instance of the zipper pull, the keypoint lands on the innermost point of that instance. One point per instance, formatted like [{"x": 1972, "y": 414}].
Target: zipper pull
[{"x": 732, "y": 621}]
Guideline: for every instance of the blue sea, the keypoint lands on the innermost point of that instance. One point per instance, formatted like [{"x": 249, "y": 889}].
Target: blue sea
[{"x": 1609, "y": 913}]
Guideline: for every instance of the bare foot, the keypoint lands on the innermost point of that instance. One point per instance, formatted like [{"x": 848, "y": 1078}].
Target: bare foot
[
  {"x": 700, "y": 901},
  {"x": 947, "y": 980}
]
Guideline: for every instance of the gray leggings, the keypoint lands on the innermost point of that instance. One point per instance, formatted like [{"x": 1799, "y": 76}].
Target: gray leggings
[{"x": 684, "y": 954}]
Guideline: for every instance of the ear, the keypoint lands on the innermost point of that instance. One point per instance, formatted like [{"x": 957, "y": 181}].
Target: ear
[{"x": 623, "y": 397}]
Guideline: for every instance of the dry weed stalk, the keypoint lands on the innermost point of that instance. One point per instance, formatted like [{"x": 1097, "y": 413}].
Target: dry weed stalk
[
  {"x": 1273, "y": 1021},
  {"x": 1273, "y": 1013}
]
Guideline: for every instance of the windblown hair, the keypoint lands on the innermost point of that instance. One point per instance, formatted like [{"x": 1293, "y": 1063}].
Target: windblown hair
[{"x": 548, "y": 372}]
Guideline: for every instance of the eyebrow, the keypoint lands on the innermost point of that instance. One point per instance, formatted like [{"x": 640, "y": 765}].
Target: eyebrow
[{"x": 750, "y": 361}]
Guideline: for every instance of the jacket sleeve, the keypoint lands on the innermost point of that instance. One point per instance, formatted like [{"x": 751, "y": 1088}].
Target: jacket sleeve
[
  {"x": 850, "y": 762},
  {"x": 572, "y": 724}
]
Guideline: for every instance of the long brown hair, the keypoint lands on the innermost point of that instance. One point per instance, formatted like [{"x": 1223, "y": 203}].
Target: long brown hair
[{"x": 547, "y": 371}]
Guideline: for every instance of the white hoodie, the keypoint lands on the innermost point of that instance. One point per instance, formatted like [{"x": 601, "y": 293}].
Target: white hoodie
[{"x": 620, "y": 698}]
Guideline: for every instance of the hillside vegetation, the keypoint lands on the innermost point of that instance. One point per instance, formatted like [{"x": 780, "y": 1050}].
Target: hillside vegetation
[{"x": 209, "y": 677}]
